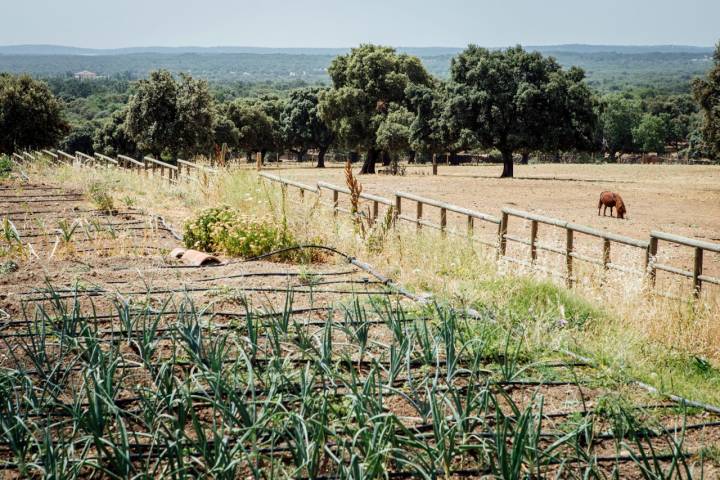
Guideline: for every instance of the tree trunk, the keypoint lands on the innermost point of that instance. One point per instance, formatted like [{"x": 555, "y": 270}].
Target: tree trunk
[
  {"x": 369, "y": 163},
  {"x": 321, "y": 158},
  {"x": 525, "y": 158},
  {"x": 386, "y": 159},
  {"x": 248, "y": 156},
  {"x": 507, "y": 164}
]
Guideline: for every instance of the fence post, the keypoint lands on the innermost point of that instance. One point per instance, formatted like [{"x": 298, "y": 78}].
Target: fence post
[
  {"x": 470, "y": 226},
  {"x": 335, "y": 202},
  {"x": 419, "y": 215},
  {"x": 375, "y": 211},
  {"x": 502, "y": 231},
  {"x": 258, "y": 160},
  {"x": 398, "y": 208},
  {"x": 568, "y": 257},
  {"x": 443, "y": 219},
  {"x": 650, "y": 260},
  {"x": 697, "y": 271},
  {"x": 533, "y": 240},
  {"x": 606, "y": 253},
  {"x": 434, "y": 164}
]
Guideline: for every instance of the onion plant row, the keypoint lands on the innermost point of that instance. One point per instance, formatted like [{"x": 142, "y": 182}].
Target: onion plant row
[{"x": 374, "y": 391}]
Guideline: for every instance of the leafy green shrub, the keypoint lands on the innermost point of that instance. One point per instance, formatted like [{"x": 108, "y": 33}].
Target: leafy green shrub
[
  {"x": 224, "y": 230},
  {"x": 5, "y": 166}
]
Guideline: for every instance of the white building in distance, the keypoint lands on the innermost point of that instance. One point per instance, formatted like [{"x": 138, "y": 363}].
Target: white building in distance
[{"x": 85, "y": 75}]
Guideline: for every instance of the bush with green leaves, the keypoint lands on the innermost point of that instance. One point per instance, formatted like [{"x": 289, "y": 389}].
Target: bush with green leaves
[
  {"x": 5, "y": 166},
  {"x": 225, "y": 230}
]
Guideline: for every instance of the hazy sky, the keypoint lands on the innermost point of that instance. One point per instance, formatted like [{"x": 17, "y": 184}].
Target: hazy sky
[{"x": 328, "y": 23}]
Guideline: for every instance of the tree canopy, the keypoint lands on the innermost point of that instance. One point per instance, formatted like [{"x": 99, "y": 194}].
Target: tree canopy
[
  {"x": 171, "y": 116},
  {"x": 513, "y": 99},
  {"x": 113, "y": 139},
  {"x": 620, "y": 115},
  {"x": 301, "y": 125},
  {"x": 30, "y": 116},
  {"x": 368, "y": 83},
  {"x": 707, "y": 94},
  {"x": 255, "y": 128},
  {"x": 651, "y": 133}
]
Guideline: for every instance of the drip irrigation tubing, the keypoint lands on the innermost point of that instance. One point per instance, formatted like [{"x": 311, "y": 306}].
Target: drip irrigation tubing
[
  {"x": 58, "y": 233},
  {"x": 32, "y": 200},
  {"x": 675, "y": 398},
  {"x": 154, "y": 313},
  {"x": 101, "y": 212},
  {"x": 50, "y": 197},
  {"x": 255, "y": 274},
  {"x": 211, "y": 289},
  {"x": 289, "y": 289}
]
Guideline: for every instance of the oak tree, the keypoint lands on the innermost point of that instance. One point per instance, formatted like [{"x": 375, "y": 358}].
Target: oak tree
[
  {"x": 512, "y": 100},
  {"x": 368, "y": 83},
  {"x": 30, "y": 116}
]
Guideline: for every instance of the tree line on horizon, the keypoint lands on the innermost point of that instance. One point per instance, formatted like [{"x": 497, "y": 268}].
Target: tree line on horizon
[{"x": 384, "y": 105}]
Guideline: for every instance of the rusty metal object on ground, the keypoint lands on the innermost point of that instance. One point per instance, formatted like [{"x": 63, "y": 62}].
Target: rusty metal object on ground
[{"x": 197, "y": 258}]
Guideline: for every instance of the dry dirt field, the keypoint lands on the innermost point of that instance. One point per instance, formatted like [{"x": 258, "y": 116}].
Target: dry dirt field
[{"x": 678, "y": 199}]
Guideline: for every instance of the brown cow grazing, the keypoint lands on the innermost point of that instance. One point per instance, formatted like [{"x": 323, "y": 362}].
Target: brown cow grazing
[{"x": 612, "y": 200}]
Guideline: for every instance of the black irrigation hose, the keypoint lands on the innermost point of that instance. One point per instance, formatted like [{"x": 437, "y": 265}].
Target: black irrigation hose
[
  {"x": 253, "y": 274},
  {"x": 49, "y": 195},
  {"x": 214, "y": 327},
  {"x": 340, "y": 389},
  {"x": 32, "y": 200},
  {"x": 125, "y": 247},
  {"x": 30, "y": 187},
  {"x": 200, "y": 290},
  {"x": 102, "y": 213},
  {"x": 288, "y": 289},
  {"x": 675, "y": 398},
  {"x": 123, "y": 334},
  {"x": 58, "y": 233},
  {"x": 96, "y": 319},
  {"x": 120, "y": 224}
]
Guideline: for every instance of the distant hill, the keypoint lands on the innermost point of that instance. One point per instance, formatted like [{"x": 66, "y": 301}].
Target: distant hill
[
  {"x": 419, "y": 51},
  {"x": 608, "y": 67}
]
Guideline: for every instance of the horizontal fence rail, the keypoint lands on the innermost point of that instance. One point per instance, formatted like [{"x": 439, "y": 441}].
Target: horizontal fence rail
[
  {"x": 697, "y": 273},
  {"x": 569, "y": 251},
  {"x": 648, "y": 248},
  {"x": 106, "y": 159},
  {"x": 419, "y": 219},
  {"x": 129, "y": 162},
  {"x": 146, "y": 166}
]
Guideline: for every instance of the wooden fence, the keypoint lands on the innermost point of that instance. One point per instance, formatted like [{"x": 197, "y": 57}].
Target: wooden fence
[
  {"x": 648, "y": 248},
  {"x": 148, "y": 165},
  {"x": 608, "y": 239},
  {"x": 697, "y": 273}
]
